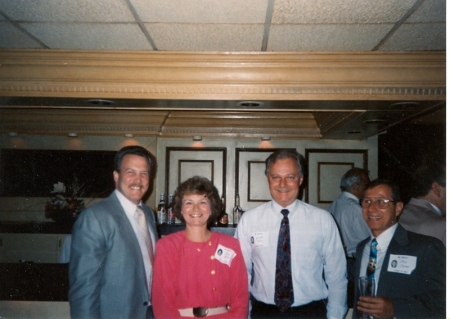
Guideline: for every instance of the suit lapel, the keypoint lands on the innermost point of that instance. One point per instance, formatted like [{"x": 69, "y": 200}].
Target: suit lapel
[
  {"x": 359, "y": 254},
  {"x": 120, "y": 216},
  {"x": 399, "y": 239}
]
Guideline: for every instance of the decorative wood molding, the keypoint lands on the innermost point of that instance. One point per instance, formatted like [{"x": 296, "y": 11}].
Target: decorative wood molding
[
  {"x": 330, "y": 158},
  {"x": 223, "y": 76}
]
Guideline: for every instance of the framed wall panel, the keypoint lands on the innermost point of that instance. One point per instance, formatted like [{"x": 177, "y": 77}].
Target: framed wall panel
[
  {"x": 201, "y": 168},
  {"x": 250, "y": 179},
  {"x": 325, "y": 170},
  {"x": 327, "y": 193},
  {"x": 185, "y": 162}
]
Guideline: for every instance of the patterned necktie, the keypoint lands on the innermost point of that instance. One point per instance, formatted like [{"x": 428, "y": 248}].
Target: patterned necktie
[
  {"x": 144, "y": 230},
  {"x": 372, "y": 259},
  {"x": 284, "y": 291}
]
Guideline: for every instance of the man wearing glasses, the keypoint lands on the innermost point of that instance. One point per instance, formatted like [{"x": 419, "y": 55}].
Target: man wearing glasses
[{"x": 408, "y": 268}]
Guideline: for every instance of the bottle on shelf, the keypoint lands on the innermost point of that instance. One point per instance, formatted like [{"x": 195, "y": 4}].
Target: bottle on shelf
[
  {"x": 237, "y": 210},
  {"x": 162, "y": 210},
  {"x": 222, "y": 221},
  {"x": 170, "y": 214}
]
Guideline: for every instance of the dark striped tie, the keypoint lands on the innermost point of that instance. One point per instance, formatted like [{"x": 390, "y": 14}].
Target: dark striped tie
[{"x": 284, "y": 291}]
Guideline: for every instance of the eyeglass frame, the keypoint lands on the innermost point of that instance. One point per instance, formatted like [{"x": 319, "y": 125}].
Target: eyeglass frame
[{"x": 379, "y": 202}]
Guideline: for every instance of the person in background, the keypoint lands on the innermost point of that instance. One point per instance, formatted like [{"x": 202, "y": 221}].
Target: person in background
[
  {"x": 347, "y": 212},
  {"x": 292, "y": 250},
  {"x": 198, "y": 272},
  {"x": 409, "y": 268},
  {"x": 425, "y": 212},
  {"x": 113, "y": 241}
]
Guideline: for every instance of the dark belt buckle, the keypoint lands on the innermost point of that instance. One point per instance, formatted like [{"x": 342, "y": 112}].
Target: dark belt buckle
[{"x": 200, "y": 312}]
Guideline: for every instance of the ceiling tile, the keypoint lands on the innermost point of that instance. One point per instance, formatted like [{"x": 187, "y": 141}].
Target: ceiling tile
[
  {"x": 326, "y": 37},
  {"x": 89, "y": 36},
  {"x": 201, "y": 11},
  {"x": 11, "y": 37},
  {"x": 429, "y": 11},
  {"x": 67, "y": 11},
  {"x": 206, "y": 37},
  {"x": 339, "y": 11},
  {"x": 417, "y": 37}
]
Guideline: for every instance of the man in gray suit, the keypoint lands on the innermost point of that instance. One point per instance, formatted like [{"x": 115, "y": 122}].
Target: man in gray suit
[
  {"x": 425, "y": 212},
  {"x": 111, "y": 258}
]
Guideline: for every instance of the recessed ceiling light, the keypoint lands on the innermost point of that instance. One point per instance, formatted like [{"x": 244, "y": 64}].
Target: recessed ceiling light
[
  {"x": 250, "y": 104},
  {"x": 197, "y": 138},
  {"x": 72, "y": 134},
  {"x": 101, "y": 102},
  {"x": 266, "y": 138},
  {"x": 128, "y": 135}
]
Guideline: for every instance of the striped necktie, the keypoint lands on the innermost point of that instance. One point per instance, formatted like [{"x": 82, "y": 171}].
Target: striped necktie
[{"x": 284, "y": 291}]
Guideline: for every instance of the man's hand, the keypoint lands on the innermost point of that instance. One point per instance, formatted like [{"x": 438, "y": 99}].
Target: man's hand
[{"x": 377, "y": 307}]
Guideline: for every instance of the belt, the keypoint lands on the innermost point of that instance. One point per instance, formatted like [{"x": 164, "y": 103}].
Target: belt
[{"x": 200, "y": 312}]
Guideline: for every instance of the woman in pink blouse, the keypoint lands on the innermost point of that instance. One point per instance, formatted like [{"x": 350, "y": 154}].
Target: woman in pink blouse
[{"x": 199, "y": 273}]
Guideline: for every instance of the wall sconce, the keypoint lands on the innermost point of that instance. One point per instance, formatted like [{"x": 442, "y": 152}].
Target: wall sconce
[
  {"x": 197, "y": 138},
  {"x": 72, "y": 134},
  {"x": 266, "y": 138}
]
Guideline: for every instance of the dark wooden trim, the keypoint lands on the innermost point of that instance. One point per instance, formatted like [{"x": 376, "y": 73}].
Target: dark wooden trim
[{"x": 193, "y": 149}]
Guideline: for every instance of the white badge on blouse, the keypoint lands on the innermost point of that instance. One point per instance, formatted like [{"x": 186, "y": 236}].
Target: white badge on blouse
[{"x": 224, "y": 255}]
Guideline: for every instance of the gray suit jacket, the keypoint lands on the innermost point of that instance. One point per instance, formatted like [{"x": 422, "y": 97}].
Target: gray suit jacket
[
  {"x": 420, "y": 217},
  {"x": 106, "y": 270},
  {"x": 420, "y": 294}
]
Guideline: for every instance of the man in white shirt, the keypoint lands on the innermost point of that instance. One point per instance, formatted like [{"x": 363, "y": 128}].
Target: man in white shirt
[
  {"x": 425, "y": 212},
  {"x": 409, "y": 268},
  {"x": 317, "y": 263}
]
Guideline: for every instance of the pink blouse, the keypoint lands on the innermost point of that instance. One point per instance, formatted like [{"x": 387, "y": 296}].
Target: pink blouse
[{"x": 188, "y": 274}]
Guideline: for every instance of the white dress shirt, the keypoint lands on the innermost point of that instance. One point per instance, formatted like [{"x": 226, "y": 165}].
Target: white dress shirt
[
  {"x": 316, "y": 250},
  {"x": 130, "y": 211},
  {"x": 383, "y": 241}
]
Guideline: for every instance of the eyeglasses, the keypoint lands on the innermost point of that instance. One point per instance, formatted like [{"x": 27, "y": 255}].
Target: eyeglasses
[{"x": 381, "y": 203}]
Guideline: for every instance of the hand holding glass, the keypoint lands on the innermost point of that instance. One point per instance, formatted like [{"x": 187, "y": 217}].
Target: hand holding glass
[{"x": 366, "y": 288}]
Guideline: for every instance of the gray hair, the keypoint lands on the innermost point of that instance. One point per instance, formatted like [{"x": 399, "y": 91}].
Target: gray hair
[
  {"x": 353, "y": 175},
  {"x": 283, "y": 154}
]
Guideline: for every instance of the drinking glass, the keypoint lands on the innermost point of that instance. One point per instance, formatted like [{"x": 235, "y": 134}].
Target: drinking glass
[{"x": 366, "y": 288}]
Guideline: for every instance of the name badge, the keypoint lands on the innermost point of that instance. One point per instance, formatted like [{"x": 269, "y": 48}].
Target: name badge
[
  {"x": 224, "y": 255},
  {"x": 260, "y": 239},
  {"x": 402, "y": 264}
]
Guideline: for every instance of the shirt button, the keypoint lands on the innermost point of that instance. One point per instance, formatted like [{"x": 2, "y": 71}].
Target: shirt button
[
  {"x": 213, "y": 272},
  {"x": 198, "y": 249},
  {"x": 214, "y": 289},
  {"x": 209, "y": 243},
  {"x": 212, "y": 257}
]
